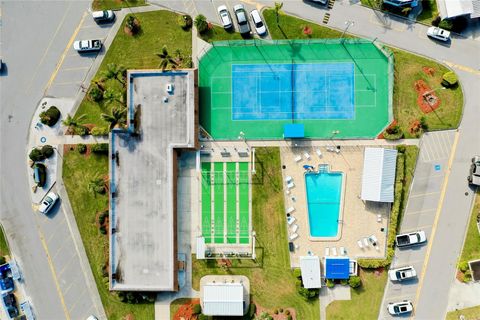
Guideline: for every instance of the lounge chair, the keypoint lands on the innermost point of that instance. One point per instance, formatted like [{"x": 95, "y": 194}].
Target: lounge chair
[
  {"x": 360, "y": 245},
  {"x": 298, "y": 158},
  {"x": 337, "y": 150},
  {"x": 343, "y": 251},
  {"x": 288, "y": 179},
  {"x": 293, "y": 236},
  {"x": 374, "y": 241},
  {"x": 291, "y": 220},
  {"x": 307, "y": 156},
  {"x": 290, "y": 210},
  {"x": 294, "y": 228},
  {"x": 365, "y": 242},
  {"x": 290, "y": 185},
  {"x": 327, "y": 251},
  {"x": 379, "y": 218},
  {"x": 318, "y": 152},
  {"x": 334, "y": 251}
]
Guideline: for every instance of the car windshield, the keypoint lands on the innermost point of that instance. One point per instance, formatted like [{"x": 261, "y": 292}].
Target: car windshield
[
  {"x": 259, "y": 24},
  {"x": 241, "y": 17},
  {"x": 47, "y": 201}
]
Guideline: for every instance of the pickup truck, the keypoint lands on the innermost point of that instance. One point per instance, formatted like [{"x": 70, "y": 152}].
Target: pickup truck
[
  {"x": 411, "y": 239},
  {"x": 403, "y": 273},
  {"x": 87, "y": 45},
  {"x": 474, "y": 175}
]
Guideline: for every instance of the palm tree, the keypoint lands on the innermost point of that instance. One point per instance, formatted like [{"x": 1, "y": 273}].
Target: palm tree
[
  {"x": 72, "y": 123},
  {"x": 116, "y": 118},
  {"x": 167, "y": 59},
  {"x": 100, "y": 85},
  {"x": 114, "y": 71},
  {"x": 278, "y": 7},
  {"x": 201, "y": 23},
  {"x": 96, "y": 185},
  {"x": 112, "y": 96}
]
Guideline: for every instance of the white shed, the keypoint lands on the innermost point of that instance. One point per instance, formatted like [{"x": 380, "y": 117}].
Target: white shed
[
  {"x": 222, "y": 299},
  {"x": 310, "y": 268},
  {"x": 378, "y": 179}
]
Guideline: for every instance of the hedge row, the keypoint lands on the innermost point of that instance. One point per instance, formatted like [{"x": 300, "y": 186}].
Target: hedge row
[{"x": 406, "y": 160}]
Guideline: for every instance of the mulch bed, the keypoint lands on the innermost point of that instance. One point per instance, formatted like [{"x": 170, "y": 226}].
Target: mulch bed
[
  {"x": 393, "y": 124},
  {"x": 185, "y": 311},
  {"x": 429, "y": 71},
  {"x": 279, "y": 316},
  {"x": 421, "y": 87}
]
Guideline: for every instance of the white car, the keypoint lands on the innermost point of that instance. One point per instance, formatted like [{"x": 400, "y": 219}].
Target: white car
[
  {"x": 258, "y": 23},
  {"x": 439, "y": 34},
  {"x": 225, "y": 17},
  {"x": 103, "y": 16},
  {"x": 87, "y": 45},
  {"x": 48, "y": 202},
  {"x": 398, "y": 308},
  {"x": 403, "y": 273}
]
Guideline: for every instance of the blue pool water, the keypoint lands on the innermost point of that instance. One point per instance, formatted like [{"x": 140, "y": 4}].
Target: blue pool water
[{"x": 324, "y": 192}]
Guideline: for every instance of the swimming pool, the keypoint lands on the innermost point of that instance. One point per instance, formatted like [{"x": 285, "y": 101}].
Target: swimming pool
[{"x": 324, "y": 198}]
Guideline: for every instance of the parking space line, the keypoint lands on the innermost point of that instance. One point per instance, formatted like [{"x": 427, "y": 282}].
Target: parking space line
[
  {"x": 67, "y": 83},
  {"x": 77, "y": 299},
  {"x": 66, "y": 265},
  {"x": 437, "y": 217},
  {"x": 423, "y": 194},
  {"x": 69, "y": 287},
  {"x": 74, "y": 69},
  {"x": 64, "y": 242},
  {"x": 58, "y": 226},
  {"x": 429, "y": 176},
  {"x": 417, "y": 228},
  {"x": 419, "y": 211}
]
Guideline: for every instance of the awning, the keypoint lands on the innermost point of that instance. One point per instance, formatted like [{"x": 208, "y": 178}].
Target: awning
[
  {"x": 291, "y": 131},
  {"x": 378, "y": 178},
  {"x": 337, "y": 267}
]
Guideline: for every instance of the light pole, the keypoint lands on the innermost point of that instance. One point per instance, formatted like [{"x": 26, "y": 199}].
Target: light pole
[
  {"x": 241, "y": 136},
  {"x": 348, "y": 23}
]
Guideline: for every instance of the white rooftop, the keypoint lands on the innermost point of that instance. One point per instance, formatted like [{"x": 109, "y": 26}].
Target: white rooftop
[
  {"x": 455, "y": 8},
  {"x": 223, "y": 299},
  {"x": 310, "y": 268},
  {"x": 378, "y": 179}
]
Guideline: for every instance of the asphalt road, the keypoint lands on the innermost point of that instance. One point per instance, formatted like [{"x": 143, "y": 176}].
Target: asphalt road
[{"x": 34, "y": 37}]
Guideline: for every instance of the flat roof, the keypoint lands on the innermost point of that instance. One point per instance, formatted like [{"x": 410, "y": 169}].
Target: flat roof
[
  {"x": 455, "y": 8},
  {"x": 310, "y": 268},
  {"x": 143, "y": 173},
  {"x": 223, "y": 299},
  {"x": 378, "y": 177}
]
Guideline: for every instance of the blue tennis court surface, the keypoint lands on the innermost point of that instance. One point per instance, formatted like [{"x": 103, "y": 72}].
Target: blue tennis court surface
[{"x": 293, "y": 91}]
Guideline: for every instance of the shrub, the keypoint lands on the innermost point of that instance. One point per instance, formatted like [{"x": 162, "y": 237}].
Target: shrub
[
  {"x": 308, "y": 293},
  {"x": 80, "y": 130},
  {"x": 355, "y": 282},
  {"x": 101, "y": 148},
  {"x": 436, "y": 21},
  {"x": 424, "y": 123},
  {"x": 50, "y": 116},
  {"x": 280, "y": 310},
  {"x": 446, "y": 24},
  {"x": 103, "y": 229},
  {"x": 95, "y": 94},
  {"x": 185, "y": 21},
  {"x": 201, "y": 23},
  {"x": 252, "y": 310},
  {"x": 393, "y": 133},
  {"x": 401, "y": 148},
  {"x": 47, "y": 151},
  {"x": 196, "y": 309},
  {"x": 344, "y": 282},
  {"x": 467, "y": 277},
  {"x": 203, "y": 317},
  {"x": 289, "y": 317},
  {"x": 36, "y": 155},
  {"x": 132, "y": 24},
  {"x": 330, "y": 283},
  {"x": 297, "y": 273},
  {"x": 99, "y": 131},
  {"x": 457, "y": 24},
  {"x": 103, "y": 216},
  {"x": 463, "y": 266},
  {"x": 275, "y": 311},
  {"x": 449, "y": 79},
  {"x": 2, "y": 260},
  {"x": 81, "y": 148},
  {"x": 287, "y": 312}
]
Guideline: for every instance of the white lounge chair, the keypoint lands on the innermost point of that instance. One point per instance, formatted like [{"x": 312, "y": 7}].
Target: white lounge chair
[
  {"x": 379, "y": 218},
  {"x": 288, "y": 179},
  {"x": 290, "y": 185},
  {"x": 365, "y": 242},
  {"x": 327, "y": 251},
  {"x": 360, "y": 245},
  {"x": 334, "y": 251},
  {"x": 337, "y": 150},
  {"x": 343, "y": 251},
  {"x": 318, "y": 152},
  {"x": 290, "y": 210},
  {"x": 330, "y": 149},
  {"x": 374, "y": 241},
  {"x": 293, "y": 236},
  {"x": 291, "y": 220},
  {"x": 298, "y": 158},
  {"x": 294, "y": 228},
  {"x": 307, "y": 156}
]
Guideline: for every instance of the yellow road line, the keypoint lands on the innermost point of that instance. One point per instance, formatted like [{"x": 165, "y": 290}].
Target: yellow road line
[
  {"x": 62, "y": 58},
  {"x": 461, "y": 67},
  {"x": 54, "y": 275},
  {"x": 437, "y": 216}
]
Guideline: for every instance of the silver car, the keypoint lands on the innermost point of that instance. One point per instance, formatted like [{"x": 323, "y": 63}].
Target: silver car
[
  {"x": 258, "y": 23},
  {"x": 48, "y": 202}
]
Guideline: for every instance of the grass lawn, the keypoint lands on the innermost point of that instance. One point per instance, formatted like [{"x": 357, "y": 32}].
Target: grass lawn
[
  {"x": 158, "y": 28},
  {"x": 366, "y": 300},
  {"x": 472, "y": 313},
  {"x": 429, "y": 12},
  {"x": 292, "y": 28},
  {"x": 471, "y": 247},
  {"x": 116, "y": 4},
  {"x": 271, "y": 279},
  {"x": 4, "y": 251},
  {"x": 218, "y": 34},
  {"x": 78, "y": 171}
]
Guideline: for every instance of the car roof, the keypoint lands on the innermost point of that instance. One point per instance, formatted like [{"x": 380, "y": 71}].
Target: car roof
[
  {"x": 221, "y": 8},
  {"x": 255, "y": 15}
]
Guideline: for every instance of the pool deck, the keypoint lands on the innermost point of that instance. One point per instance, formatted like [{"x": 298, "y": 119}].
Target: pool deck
[{"x": 359, "y": 218}]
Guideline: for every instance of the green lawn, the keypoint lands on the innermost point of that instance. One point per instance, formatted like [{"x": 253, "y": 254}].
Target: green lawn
[
  {"x": 158, "y": 28},
  {"x": 429, "y": 12},
  {"x": 471, "y": 247},
  {"x": 271, "y": 279},
  {"x": 366, "y": 300},
  {"x": 292, "y": 28},
  {"x": 78, "y": 171},
  {"x": 4, "y": 251},
  {"x": 116, "y": 4},
  {"x": 472, "y": 313},
  {"x": 219, "y": 34}
]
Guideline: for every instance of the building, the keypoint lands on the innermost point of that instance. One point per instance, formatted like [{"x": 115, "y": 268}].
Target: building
[
  {"x": 310, "y": 269},
  {"x": 378, "y": 178},
  {"x": 162, "y": 120},
  {"x": 337, "y": 268},
  {"x": 224, "y": 295},
  {"x": 455, "y": 8}
]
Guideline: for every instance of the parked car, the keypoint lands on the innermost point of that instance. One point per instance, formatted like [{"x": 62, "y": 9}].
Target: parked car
[
  {"x": 48, "y": 202},
  {"x": 403, "y": 273},
  {"x": 411, "y": 239},
  {"x": 242, "y": 19},
  {"x": 39, "y": 174},
  {"x": 320, "y": 1},
  {"x": 103, "y": 16},
  {"x": 258, "y": 23},
  {"x": 474, "y": 175},
  {"x": 92, "y": 317},
  {"x": 439, "y": 34},
  {"x": 398, "y": 308},
  {"x": 225, "y": 17},
  {"x": 87, "y": 45}
]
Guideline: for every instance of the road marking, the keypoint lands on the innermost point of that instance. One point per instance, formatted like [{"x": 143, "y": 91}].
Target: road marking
[
  {"x": 435, "y": 222},
  {"x": 55, "y": 229},
  {"x": 54, "y": 275},
  {"x": 66, "y": 265},
  {"x": 461, "y": 67},
  {"x": 64, "y": 242},
  {"x": 73, "y": 69},
  {"x": 416, "y": 229},
  {"x": 62, "y": 58},
  {"x": 423, "y": 194},
  {"x": 419, "y": 211},
  {"x": 78, "y": 299}
]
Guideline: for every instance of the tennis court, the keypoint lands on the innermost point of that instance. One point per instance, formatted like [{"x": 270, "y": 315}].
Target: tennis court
[
  {"x": 257, "y": 87},
  {"x": 225, "y": 202}
]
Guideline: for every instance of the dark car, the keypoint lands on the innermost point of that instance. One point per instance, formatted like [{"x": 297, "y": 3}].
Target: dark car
[
  {"x": 242, "y": 19},
  {"x": 39, "y": 174}
]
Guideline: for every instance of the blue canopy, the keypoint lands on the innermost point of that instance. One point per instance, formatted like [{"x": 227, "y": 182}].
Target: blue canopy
[
  {"x": 337, "y": 268},
  {"x": 293, "y": 131}
]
